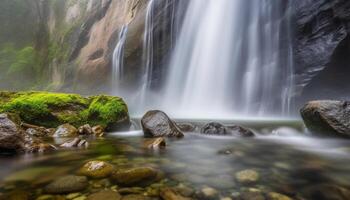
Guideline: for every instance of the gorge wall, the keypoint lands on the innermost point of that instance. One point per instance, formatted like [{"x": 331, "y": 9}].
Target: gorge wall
[{"x": 322, "y": 49}]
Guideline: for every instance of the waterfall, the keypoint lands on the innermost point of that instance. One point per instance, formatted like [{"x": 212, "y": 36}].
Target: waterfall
[
  {"x": 147, "y": 57},
  {"x": 232, "y": 58},
  {"x": 118, "y": 61}
]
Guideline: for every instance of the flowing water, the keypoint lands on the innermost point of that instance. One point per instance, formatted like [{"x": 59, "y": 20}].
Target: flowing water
[
  {"x": 286, "y": 161},
  {"x": 228, "y": 60},
  {"x": 118, "y": 61}
]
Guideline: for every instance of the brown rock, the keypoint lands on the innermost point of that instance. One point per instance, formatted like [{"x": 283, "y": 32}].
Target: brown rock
[
  {"x": 66, "y": 130},
  {"x": 135, "y": 176},
  {"x": 156, "y": 143},
  {"x": 76, "y": 142},
  {"x": 170, "y": 194},
  {"x": 105, "y": 195},
  {"x": 11, "y": 136},
  {"x": 85, "y": 130}
]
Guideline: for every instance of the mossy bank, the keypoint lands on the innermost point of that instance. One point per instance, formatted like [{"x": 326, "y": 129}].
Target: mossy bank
[{"x": 53, "y": 109}]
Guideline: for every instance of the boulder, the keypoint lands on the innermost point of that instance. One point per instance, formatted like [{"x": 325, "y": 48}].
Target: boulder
[
  {"x": 327, "y": 118},
  {"x": 105, "y": 195},
  {"x": 51, "y": 110},
  {"x": 156, "y": 123},
  {"x": 96, "y": 169},
  {"x": 11, "y": 136},
  {"x": 67, "y": 184},
  {"x": 135, "y": 176},
  {"x": 214, "y": 128},
  {"x": 66, "y": 130}
]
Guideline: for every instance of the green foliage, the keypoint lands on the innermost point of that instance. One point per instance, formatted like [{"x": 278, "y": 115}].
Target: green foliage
[{"x": 53, "y": 109}]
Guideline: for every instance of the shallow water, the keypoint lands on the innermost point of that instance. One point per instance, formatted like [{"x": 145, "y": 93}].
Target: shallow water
[{"x": 287, "y": 161}]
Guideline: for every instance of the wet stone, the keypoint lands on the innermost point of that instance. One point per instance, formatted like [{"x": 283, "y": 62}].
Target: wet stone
[
  {"x": 135, "y": 176},
  {"x": 96, "y": 169},
  {"x": 105, "y": 195},
  {"x": 247, "y": 176},
  {"x": 67, "y": 184},
  {"x": 66, "y": 130},
  {"x": 135, "y": 197},
  {"x": 277, "y": 196}
]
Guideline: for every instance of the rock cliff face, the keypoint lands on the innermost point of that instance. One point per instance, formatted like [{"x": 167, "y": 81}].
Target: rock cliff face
[{"x": 322, "y": 48}]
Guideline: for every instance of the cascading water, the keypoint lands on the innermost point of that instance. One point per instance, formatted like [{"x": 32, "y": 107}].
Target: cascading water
[
  {"x": 118, "y": 61},
  {"x": 147, "y": 56},
  {"x": 232, "y": 58}
]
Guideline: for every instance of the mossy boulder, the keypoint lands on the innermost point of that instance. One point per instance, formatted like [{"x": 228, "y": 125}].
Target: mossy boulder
[{"x": 54, "y": 109}]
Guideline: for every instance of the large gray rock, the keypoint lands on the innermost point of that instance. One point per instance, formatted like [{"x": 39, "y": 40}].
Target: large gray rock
[
  {"x": 156, "y": 123},
  {"x": 12, "y": 139},
  {"x": 327, "y": 118}
]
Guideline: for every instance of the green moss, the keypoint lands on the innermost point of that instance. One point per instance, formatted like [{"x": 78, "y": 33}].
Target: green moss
[
  {"x": 104, "y": 110},
  {"x": 53, "y": 109}
]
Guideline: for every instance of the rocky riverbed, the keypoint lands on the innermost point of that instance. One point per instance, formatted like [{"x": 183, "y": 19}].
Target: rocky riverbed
[
  {"x": 199, "y": 166},
  {"x": 164, "y": 159}
]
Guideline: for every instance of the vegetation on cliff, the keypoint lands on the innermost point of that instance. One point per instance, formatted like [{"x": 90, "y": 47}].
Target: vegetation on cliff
[{"x": 53, "y": 109}]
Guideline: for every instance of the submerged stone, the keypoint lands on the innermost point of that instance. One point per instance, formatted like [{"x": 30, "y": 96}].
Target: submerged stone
[
  {"x": 156, "y": 123},
  {"x": 277, "y": 196},
  {"x": 156, "y": 143},
  {"x": 105, "y": 195},
  {"x": 171, "y": 194},
  {"x": 135, "y": 176},
  {"x": 135, "y": 197},
  {"x": 247, "y": 176},
  {"x": 67, "y": 184},
  {"x": 96, "y": 169}
]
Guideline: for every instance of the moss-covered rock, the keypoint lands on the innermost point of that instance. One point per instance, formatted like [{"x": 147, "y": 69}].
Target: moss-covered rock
[{"x": 53, "y": 109}]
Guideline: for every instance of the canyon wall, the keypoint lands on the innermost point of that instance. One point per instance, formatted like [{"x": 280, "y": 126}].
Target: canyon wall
[{"x": 322, "y": 49}]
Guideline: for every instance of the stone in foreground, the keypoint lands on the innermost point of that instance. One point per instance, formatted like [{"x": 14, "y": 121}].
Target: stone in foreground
[
  {"x": 105, "y": 195},
  {"x": 327, "y": 118},
  {"x": 67, "y": 184},
  {"x": 156, "y": 123},
  {"x": 11, "y": 136},
  {"x": 135, "y": 176},
  {"x": 96, "y": 169}
]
